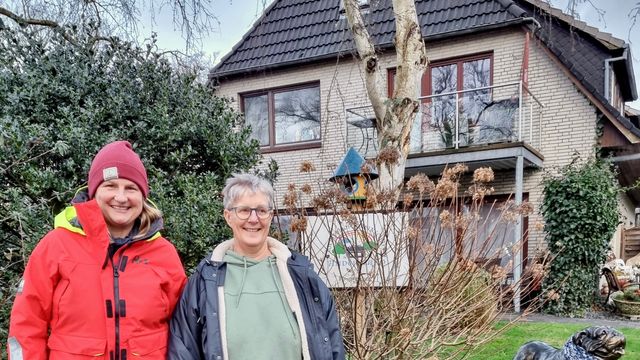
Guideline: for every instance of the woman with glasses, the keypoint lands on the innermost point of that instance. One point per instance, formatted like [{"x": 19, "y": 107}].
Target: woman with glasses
[{"x": 253, "y": 298}]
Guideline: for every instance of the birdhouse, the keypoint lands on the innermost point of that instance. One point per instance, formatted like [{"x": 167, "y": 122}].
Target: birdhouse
[{"x": 351, "y": 177}]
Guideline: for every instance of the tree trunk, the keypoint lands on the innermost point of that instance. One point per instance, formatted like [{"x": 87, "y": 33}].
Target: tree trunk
[{"x": 394, "y": 116}]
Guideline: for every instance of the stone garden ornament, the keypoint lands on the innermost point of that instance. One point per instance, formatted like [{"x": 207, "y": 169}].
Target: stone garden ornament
[{"x": 594, "y": 343}]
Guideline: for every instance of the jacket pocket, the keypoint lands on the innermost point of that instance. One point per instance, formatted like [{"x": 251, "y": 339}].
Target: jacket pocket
[
  {"x": 162, "y": 280},
  {"x": 65, "y": 346},
  {"x": 65, "y": 270},
  {"x": 149, "y": 346}
]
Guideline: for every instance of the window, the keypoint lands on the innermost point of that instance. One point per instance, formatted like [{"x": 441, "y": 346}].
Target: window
[
  {"x": 442, "y": 83},
  {"x": 490, "y": 243},
  {"x": 443, "y": 80},
  {"x": 466, "y": 73},
  {"x": 615, "y": 98},
  {"x": 284, "y": 117},
  {"x": 458, "y": 74}
]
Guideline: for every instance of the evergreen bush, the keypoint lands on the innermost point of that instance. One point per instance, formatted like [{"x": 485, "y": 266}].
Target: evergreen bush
[
  {"x": 60, "y": 102},
  {"x": 580, "y": 210}
]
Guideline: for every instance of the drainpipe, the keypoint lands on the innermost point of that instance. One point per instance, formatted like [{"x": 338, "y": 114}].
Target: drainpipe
[
  {"x": 623, "y": 158},
  {"x": 607, "y": 66},
  {"x": 533, "y": 21}
]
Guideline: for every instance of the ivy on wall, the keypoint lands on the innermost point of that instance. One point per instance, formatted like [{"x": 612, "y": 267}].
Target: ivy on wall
[{"x": 580, "y": 210}]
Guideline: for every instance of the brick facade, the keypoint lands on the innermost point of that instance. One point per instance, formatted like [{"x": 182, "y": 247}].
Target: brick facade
[{"x": 568, "y": 125}]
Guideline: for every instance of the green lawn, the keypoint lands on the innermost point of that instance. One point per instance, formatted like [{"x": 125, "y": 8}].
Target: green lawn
[{"x": 505, "y": 346}]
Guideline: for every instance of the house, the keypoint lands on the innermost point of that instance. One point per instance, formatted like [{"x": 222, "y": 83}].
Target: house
[{"x": 511, "y": 84}]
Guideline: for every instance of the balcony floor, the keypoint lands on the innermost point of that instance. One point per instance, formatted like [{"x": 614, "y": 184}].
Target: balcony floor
[{"x": 497, "y": 156}]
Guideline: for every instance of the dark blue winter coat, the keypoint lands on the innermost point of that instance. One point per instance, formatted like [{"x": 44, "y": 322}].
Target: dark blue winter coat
[{"x": 195, "y": 326}]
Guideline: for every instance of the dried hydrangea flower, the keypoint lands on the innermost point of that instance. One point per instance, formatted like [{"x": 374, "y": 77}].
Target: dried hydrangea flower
[{"x": 307, "y": 166}]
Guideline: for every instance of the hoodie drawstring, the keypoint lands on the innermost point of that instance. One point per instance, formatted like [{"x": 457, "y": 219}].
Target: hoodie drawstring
[{"x": 244, "y": 276}]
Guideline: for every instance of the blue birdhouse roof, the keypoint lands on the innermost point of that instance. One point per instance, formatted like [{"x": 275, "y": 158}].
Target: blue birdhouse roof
[{"x": 351, "y": 165}]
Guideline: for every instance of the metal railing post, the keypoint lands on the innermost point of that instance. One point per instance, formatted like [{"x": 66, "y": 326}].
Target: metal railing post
[
  {"x": 540, "y": 129},
  {"x": 457, "y": 141}
]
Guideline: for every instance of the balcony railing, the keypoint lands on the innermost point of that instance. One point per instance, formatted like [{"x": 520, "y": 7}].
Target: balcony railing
[{"x": 481, "y": 116}]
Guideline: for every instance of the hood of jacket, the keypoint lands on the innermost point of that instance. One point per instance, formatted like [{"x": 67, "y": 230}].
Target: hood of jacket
[{"x": 278, "y": 249}]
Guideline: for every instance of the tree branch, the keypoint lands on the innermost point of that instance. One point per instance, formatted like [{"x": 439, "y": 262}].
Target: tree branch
[{"x": 22, "y": 21}]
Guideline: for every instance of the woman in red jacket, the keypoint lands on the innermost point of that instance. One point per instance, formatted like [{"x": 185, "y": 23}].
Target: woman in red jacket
[{"x": 104, "y": 282}]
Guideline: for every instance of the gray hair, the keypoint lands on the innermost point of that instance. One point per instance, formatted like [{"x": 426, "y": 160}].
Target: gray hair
[{"x": 239, "y": 184}]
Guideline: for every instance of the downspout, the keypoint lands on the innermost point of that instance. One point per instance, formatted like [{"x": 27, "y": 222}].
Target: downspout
[
  {"x": 623, "y": 158},
  {"x": 607, "y": 66},
  {"x": 534, "y": 21}
]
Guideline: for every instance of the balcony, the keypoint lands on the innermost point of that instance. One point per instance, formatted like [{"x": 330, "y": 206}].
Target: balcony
[{"x": 488, "y": 126}]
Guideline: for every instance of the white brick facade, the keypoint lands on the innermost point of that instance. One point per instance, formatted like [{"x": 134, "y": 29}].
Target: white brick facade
[{"x": 569, "y": 121}]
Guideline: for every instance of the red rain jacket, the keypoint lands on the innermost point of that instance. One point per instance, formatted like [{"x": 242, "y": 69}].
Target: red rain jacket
[{"x": 76, "y": 304}]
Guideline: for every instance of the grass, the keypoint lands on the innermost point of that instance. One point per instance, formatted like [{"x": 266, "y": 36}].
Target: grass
[{"x": 505, "y": 346}]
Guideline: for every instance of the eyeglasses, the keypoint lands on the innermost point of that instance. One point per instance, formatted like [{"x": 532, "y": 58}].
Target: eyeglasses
[{"x": 244, "y": 212}]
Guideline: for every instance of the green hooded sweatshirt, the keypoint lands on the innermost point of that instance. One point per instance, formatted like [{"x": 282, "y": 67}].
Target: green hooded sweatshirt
[{"x": 259, "y": 321}]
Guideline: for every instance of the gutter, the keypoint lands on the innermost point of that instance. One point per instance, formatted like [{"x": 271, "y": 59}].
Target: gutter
[{"x": 449, "y": 34}]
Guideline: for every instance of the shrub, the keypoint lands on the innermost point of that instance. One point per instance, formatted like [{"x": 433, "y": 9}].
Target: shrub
[
  {"x": 581, "y": 214},
  {"x": 408, "y": 275},
  {"x": 473, "y": 288},
  {"x": 60, "y": 102}
]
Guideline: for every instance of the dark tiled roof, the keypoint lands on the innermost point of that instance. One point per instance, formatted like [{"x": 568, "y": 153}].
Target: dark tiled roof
[
  {"x": 296, "y": 31},
  {"x": 583, "y": 56},
  {"x": 293, "y": 32}
]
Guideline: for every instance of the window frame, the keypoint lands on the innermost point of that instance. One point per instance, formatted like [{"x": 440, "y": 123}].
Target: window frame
[
  {"x": 270, "y": 93},
  {"x": 459, "y": 62},
  {"x": 425, "y": 83}
]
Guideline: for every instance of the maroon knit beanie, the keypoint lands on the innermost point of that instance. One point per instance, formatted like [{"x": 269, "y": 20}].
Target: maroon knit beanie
[{"x": 117, "y": 160}]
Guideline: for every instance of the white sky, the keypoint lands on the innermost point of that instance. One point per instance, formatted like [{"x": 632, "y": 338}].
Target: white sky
[{"x": 236, "y": 17}]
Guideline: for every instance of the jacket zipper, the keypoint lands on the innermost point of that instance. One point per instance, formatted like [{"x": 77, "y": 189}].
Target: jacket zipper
[{"x": 116, "y": 296}]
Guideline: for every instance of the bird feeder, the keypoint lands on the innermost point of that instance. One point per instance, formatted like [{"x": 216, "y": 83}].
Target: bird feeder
[{"x": 353, "y": 174}]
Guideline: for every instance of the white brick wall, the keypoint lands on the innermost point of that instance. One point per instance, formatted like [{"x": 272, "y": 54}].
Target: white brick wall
[
  {"x": 569, "y": 121},
  {"x": 340, "y": 87}
]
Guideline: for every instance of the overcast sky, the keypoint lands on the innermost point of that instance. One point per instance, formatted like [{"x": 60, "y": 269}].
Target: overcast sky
[{"x": 236, "y": 17}]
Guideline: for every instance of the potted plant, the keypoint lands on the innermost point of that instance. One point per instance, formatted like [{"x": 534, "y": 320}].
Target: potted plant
[{"x": 628, "y": 302}]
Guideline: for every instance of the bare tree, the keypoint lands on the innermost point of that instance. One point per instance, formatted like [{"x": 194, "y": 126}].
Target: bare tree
[
  {"x": 394, "y": 117},
  {"x": 119, "y": 18},
  {"x": 424, "y": 279}
]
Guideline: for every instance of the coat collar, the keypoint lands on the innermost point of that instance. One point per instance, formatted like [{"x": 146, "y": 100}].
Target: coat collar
[{"x": 278, "y": 249}]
